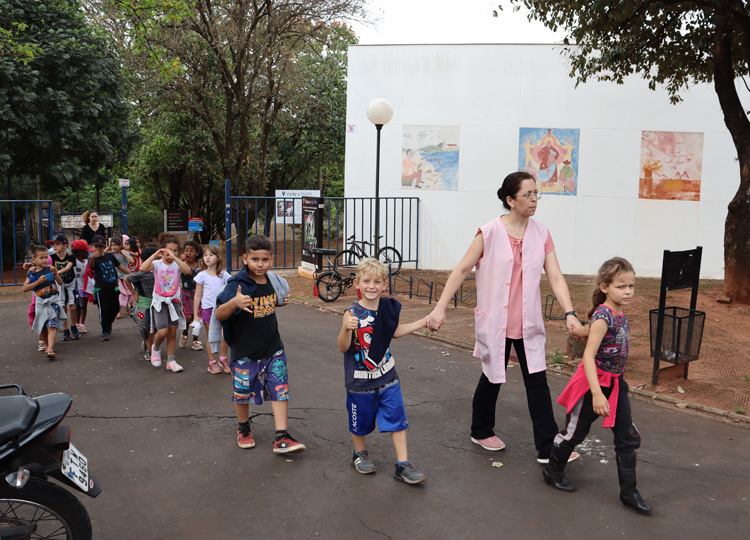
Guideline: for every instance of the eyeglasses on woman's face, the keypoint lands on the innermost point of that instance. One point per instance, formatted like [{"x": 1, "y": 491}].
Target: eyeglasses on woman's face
[{"x": 528, "y": 195}]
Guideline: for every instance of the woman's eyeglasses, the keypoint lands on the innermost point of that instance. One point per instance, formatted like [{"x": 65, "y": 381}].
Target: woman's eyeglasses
[{"x": 536, "y": 194}]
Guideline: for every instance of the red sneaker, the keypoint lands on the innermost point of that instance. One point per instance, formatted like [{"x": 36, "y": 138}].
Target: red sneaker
[
  {"x": 287, "y": 445},
  {"x": 245, "y": 441}
]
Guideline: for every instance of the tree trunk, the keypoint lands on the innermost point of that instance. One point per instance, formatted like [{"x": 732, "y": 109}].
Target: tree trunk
[{"x": 737, "y": 226}]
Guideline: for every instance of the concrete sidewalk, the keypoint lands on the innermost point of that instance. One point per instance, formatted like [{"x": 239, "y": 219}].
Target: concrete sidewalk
[{"x": 163, "y": 447}]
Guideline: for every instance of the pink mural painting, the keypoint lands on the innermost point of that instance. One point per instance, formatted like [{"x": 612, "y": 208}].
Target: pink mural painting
[{"x": 671, "y": 165}]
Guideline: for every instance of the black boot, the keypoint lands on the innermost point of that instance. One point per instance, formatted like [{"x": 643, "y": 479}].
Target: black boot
[
  {"x": 628, "y": 492},
  {"x": 554, "y": 472}
]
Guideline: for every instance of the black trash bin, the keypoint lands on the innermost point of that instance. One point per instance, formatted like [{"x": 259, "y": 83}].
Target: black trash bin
[{"x": 681, "y": 336}]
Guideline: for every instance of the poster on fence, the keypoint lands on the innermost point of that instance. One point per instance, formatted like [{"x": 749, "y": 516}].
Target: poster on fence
[
  {"x": 289, "y": 205},
  {"x": 312, "y": 231}
]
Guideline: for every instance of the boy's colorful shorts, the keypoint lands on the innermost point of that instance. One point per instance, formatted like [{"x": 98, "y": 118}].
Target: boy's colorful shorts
[{"x": 256, "y": 380}]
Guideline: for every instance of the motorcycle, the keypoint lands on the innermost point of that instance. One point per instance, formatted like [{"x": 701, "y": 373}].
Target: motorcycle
[{"x": 34, "y": 447}]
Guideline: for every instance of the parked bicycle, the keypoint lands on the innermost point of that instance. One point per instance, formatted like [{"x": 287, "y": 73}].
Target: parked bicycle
[
  {"x": 346, "y": 260},
  {"x": 330, "y": 284}
]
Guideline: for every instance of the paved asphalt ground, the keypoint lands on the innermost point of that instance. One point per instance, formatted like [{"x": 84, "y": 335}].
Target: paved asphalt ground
[{"x": 163, "y": 447}]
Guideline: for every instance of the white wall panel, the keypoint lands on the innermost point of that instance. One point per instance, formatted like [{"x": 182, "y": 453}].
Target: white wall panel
[
  {"x": 491, "y": 91},
  {"x": 599, "y": 233},
  {"x": 607, "y": 167},
  {"x": 660, "y": 225},
  {"x": 495, "y": 85},
  {"x": 721, "y": 172}
]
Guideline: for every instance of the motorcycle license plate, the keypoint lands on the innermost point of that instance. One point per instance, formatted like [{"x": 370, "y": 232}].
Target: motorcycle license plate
[{"x": 76, "y": 467}]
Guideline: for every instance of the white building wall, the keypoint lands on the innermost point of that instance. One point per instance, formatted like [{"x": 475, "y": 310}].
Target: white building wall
[{"x": 490, "y": 91}]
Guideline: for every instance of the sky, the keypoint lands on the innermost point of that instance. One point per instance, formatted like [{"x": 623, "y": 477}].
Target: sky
[{"x": 450, "y": 21}]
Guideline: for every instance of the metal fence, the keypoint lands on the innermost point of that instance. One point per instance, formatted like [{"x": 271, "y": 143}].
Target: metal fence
[
  {"x": 343, "y": 217},
  {"x": 23, "y": 223}
]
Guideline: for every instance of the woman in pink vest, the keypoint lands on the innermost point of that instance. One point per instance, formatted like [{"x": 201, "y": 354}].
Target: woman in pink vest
[{"x": 509, "y": 254}]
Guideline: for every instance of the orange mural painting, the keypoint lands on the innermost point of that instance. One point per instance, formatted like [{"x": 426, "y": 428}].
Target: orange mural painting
[{"x": 671, "y": 165}]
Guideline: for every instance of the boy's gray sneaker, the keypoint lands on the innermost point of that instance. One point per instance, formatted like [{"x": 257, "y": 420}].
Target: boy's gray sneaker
[
  {"x": 407, "y": 473},
  {"x": 361, "y": 462}
]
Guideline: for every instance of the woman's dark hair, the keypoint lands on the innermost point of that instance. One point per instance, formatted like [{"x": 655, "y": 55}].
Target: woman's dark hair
[{"x": 511, "y": 185}]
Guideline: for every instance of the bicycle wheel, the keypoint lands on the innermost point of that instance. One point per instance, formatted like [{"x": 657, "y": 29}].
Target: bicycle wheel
[
  {"x": 329, "y": 286},
  {"x": 390, "y": 257},
  {"x": 346, "y": 261}
]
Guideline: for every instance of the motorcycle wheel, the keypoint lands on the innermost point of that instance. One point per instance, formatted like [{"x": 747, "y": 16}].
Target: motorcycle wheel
[{"x": 55, "y": 511}]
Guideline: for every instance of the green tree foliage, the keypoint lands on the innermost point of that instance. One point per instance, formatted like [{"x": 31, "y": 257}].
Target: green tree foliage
[
  {"x": 234, "y": 65},
  {"x": 177, "y": 162},
  {"x": 63, "y": 118},
  {"x": 307, "y": 142},
  {"x": 671, "y": 43}
]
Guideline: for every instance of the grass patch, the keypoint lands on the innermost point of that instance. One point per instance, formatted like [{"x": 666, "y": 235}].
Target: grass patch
[{"x": 556, "y": 357}]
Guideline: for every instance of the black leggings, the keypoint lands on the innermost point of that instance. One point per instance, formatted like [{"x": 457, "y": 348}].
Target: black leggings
[
  {"x": 109, "y": 307},
  {"x": 537, "y": 397},
  {"x": 578, "y": 422}
]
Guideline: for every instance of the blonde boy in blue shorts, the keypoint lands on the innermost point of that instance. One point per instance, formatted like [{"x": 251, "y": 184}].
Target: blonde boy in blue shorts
[
  {"x": 246, "y": 308},
  {"x": 372, "y": 386}
]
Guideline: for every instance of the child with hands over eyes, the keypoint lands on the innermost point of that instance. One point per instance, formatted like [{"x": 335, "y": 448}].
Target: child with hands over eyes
[{"x": 166, "y": 308}]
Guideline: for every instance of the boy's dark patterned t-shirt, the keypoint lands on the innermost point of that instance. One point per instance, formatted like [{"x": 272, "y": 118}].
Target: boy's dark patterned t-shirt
[
  {"x": 613, "y": 351},
  {"x": 362, "y": 373},
  {"x": 105, "y": 271},
  {"x": 59, "y": 263},
  {"x": 46, "y": 289},
  {"x": 256, "y": 335}
]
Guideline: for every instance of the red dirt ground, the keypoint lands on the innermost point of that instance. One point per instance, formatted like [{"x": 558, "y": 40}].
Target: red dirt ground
[{"x": 720, "y": 378}]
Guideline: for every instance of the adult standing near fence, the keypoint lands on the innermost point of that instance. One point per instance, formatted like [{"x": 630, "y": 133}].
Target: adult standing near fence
[
  {"x": 510, "y": 253},
  {"x": 92, "y": 227}
]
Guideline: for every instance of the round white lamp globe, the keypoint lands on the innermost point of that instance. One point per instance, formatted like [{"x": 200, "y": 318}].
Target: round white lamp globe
[{"x": 380, "y": 111}]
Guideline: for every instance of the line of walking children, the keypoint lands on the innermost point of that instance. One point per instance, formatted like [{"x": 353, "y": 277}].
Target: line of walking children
[{"x": 244, "y": 305}]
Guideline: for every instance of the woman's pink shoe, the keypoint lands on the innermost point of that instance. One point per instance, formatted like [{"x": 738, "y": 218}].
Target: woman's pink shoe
[{"x": 490, "y": 443}]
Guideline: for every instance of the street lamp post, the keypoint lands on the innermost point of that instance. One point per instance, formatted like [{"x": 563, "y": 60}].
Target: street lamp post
[{"x": 379, "y": 112}]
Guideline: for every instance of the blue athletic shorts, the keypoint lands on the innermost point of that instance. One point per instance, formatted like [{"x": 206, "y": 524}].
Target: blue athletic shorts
[
  {"x": 256, "y": 380},
  {"x": 385, "y": 406}
]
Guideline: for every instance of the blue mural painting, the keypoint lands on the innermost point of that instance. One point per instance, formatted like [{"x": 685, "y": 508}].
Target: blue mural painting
[
  {"x": 429, "y": 158},
  {"x": 551, "y": 156}
]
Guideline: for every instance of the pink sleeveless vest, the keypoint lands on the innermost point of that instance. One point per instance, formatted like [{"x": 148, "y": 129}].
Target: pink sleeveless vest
[{"x": 493, "y": 271}]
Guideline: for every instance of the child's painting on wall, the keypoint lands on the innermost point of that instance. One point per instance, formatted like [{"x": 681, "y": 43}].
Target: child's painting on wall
[
  {"x": 429, "y": 158},
  {"x": 671, "y": 165},
  {"x": 551, "y": 156}
]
